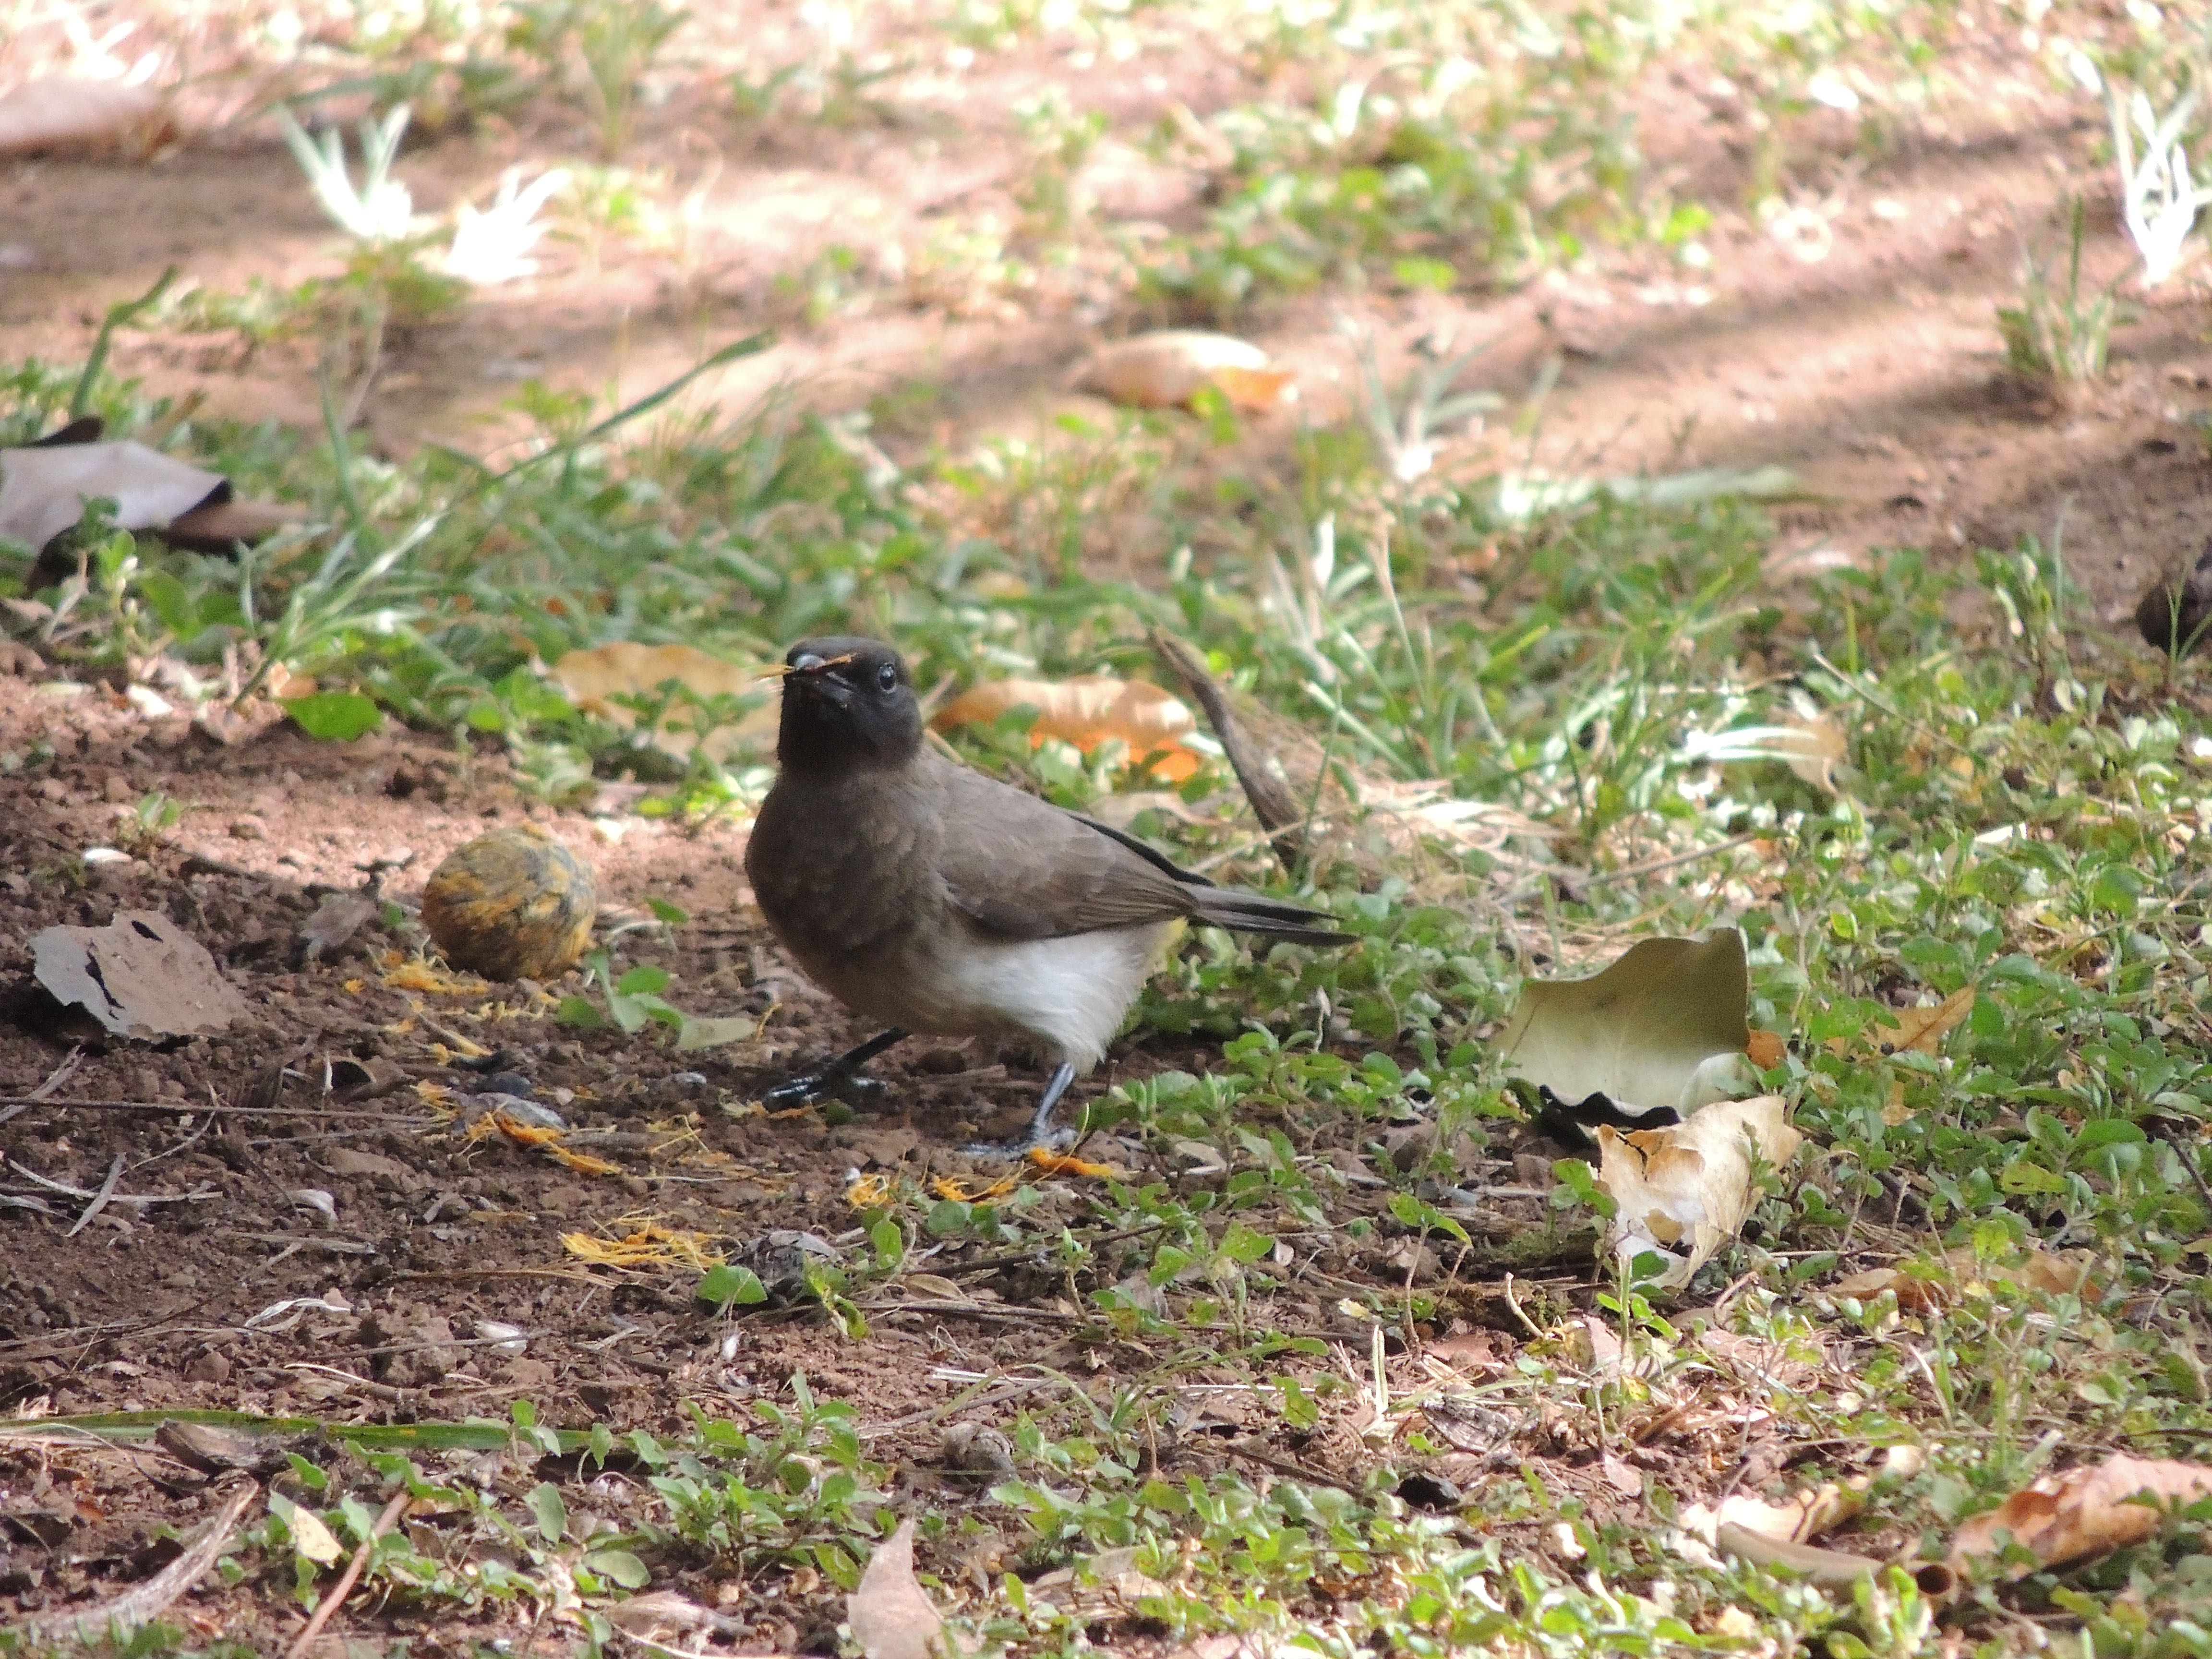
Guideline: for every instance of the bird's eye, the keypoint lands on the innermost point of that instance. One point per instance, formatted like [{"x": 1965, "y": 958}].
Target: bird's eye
[{"x": 887, "y": 677}]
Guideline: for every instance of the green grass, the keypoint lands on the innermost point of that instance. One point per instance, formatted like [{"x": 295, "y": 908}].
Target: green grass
[{"x": 2018, "y": 812}]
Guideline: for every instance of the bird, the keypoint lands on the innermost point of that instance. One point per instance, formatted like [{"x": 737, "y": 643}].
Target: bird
[
  {"x": 2173, "y": 611},
  {"x": 931, "y": 897}
]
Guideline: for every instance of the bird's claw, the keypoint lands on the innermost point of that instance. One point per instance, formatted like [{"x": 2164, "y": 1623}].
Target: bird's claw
[
  {"x": 1053, "y": 1140},
  {"x": 812, "y": 1088}
]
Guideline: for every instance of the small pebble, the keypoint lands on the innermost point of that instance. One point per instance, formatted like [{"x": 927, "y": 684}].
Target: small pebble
[{"x": 527, "y": 1111}]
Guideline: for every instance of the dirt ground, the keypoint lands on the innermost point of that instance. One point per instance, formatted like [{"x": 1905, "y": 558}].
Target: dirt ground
[
  {"x": 337, "y": 1253},
  {"x": 1852, "y": 339}
]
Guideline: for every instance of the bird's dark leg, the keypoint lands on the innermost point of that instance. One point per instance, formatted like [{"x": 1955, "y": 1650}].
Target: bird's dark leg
[
  {"x": 1040, "y": 1132},
  {"x": 824, "y": 1082}
]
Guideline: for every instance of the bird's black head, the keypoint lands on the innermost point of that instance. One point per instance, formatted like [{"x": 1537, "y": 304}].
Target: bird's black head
[{"x": 848, "y": 702}]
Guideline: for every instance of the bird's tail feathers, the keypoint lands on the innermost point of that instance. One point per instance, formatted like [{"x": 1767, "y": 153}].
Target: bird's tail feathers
[{"x": 1270, "y": 918}]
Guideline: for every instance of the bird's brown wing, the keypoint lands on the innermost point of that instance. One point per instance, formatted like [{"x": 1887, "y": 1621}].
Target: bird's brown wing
[{"x": 1020, "y": 868}]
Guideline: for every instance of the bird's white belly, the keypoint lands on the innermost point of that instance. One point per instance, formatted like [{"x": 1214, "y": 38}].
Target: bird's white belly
[{"x": 1069, "y": 994}]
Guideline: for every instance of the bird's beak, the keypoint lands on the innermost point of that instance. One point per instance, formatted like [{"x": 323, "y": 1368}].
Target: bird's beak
[{"x": 812, "y": 672}]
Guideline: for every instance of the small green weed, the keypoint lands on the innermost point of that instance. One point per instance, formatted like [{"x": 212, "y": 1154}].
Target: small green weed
[{"x": 2060, "y": 333}]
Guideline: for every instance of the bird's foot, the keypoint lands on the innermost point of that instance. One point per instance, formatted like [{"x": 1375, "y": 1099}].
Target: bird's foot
[
  {"x": 1042, "y": 1136},
  {"x": 840, "y": 1079},
  {"x": 813, "y": 1088},
  {"x": 1039, "y": 1139}
]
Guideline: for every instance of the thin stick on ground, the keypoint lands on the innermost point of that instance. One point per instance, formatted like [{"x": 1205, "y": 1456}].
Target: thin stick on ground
[
  {"x": 150, "y": 1600},
  {"x": 99, "y": 1199},
  {"x": 1273, "y": 804},
  {"x": 344, "y": 1588}
]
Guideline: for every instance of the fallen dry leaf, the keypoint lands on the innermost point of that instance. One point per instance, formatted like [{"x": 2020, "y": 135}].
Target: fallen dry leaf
[
  {"x": 2038, "y": 1270},
  {"x": 1923, "y": 1030},
  {"x": 2086, "y": 1511},
  {"x": 1685, "y": 1190},
  {"x": 1643, "y": 1032},
  {"x": 1767, "y": 1049},
  {"x": 1086, "y": 711},
  {"x": 1810, "y": 746},
  {"x": 1813, "y": 748},
  {"x": 1170, "y": 367},
  {"x": 595, "y": 678},
  {"x": 891, "y": 1616},
  {"x": 660, "y": 1613},
  {"x": 65, "y": 112},
  {"x": 1800, "y": 1518},
  {"x": 141, "y": 976},
  {"x": 311, "y": 1538},
  {"x": 44, "y": 488}
]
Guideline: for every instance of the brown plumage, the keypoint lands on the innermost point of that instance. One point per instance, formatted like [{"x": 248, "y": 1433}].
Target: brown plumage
[{"x": 925, "y": 895}]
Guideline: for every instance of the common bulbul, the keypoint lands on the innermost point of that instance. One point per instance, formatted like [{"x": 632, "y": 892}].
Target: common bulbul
[{"x": 923, "y": 894}]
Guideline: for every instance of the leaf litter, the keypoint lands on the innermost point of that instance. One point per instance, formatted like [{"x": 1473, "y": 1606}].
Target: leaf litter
[
  {"x": 1088, "y": 710},
  {"x": 890, "y": 1614},
  {"x": 140, "y": 977}
]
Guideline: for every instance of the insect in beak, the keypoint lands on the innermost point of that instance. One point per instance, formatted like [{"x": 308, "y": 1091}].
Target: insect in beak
[{"x": 809, "y": 666}]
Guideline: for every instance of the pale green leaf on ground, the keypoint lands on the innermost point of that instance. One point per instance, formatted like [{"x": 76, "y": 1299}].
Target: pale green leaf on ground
[{"x": 1654, "y": 1029}]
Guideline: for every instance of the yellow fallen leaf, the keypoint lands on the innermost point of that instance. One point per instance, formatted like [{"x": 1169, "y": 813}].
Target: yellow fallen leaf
[
  {"x": 1086, "y": 711},
  {"x": 595, "y": 678},
  {"x": 2038, "y": 1270},
  {"x": 582, "y": 1163},
  {"x": 311, "y": 1538},
  {"x": 419, "y": 976},
  {"x": 2086, "y": 1511},
  {"x": 1169, "y": 368},
  {"x": 960, "y": 1192},
  {"x": 869, "y": 1192},
  {"x": 650, "y": 1246},
  {"x": 1923, "y": 1030}
]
